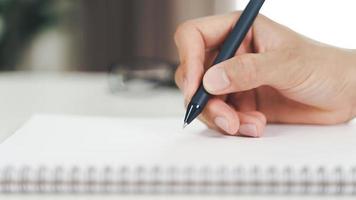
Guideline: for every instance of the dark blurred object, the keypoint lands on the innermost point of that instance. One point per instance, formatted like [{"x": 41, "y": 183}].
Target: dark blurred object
[
  {"x": 91, "y": 34},
  {"x": 20, "y": 20},
  {"x": 141, "y": 74},
  {"x": 115, "y": 30}
]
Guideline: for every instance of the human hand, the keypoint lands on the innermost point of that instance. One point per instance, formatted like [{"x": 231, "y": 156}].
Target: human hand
[{"x": 276, "y": 75}]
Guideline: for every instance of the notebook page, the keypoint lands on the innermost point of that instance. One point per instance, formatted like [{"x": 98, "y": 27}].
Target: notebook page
[{"x": 61, "y": 140}]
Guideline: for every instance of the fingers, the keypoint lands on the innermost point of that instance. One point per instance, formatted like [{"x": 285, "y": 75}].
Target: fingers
[
  {"x": 236, "y": 74},
  {"x": 219, "y": 115},
  {"x": 193, "y": 38},
  {"x": 252, "y": 124},
  {"x": 279, "y": 69},
  {"x": 210, "y": 30},
  {"x": 222, "y": 117}
]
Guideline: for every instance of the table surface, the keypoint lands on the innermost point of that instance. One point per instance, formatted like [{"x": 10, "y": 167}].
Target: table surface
[{"x": 23, "y": 94}]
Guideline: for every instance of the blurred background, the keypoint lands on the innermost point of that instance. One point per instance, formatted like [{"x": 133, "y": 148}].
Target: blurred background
[{"x": 92, "y": 35}]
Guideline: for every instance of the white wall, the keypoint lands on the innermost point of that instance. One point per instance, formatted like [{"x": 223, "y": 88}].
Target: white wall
[{"x": 328, "y": 21}]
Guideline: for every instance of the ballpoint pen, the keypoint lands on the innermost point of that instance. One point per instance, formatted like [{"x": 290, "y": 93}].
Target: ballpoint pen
[{"x": 228, "y": 50}]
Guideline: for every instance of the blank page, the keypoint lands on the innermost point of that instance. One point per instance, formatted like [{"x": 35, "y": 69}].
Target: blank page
[{"x": 60, "y": 140}]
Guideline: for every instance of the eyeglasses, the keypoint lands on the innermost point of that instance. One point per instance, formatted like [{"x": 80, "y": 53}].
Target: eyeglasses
[{"x": 140, "y": 74}]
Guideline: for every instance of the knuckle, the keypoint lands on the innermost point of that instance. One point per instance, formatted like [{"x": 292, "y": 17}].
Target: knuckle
[{"x": 181, "y": 29}]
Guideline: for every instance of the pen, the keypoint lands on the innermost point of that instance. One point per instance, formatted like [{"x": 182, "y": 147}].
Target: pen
[{"x": 228, "y": 50}]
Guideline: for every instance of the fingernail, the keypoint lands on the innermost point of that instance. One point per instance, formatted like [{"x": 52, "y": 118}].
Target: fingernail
[
  {"x": 216, "y": 79},
  {"x": 248, "y": 130},
  {"x": 222, "y": 123}
]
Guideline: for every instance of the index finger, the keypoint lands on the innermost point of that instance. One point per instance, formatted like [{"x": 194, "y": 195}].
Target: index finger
[{"x": 193, "y": 38}]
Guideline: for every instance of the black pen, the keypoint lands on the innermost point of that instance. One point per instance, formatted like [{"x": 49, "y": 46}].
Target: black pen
[{"x": 228, "y": 50}]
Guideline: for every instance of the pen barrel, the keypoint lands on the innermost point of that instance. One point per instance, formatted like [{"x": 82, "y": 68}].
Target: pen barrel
[
  {"x": 239, "y": 32},
  {"x": 201, "y": 97},
  {"x": 228, "y": 50},
  {"x": 196, "y": 105},
  {"x": 231, "y": 44}
]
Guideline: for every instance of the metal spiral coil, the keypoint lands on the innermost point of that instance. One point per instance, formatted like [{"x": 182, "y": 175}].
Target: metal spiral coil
[{"x": 179, "y": 180}]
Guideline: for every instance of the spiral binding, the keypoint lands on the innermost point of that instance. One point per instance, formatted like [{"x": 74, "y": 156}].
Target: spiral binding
[{"x": 175, "y": 180}]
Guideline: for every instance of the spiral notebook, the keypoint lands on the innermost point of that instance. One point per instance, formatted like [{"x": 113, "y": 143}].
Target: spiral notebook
[{"x": 77, "y": 154}]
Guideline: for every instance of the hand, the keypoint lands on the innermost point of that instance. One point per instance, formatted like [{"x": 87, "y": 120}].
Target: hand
[{"x": 276, "y": 76}]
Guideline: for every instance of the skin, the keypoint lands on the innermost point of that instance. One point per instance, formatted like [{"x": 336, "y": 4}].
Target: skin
[{"x": 276, "y": 76}]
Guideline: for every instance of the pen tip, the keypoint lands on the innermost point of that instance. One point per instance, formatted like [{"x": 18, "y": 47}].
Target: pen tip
[{"x": 185, "y": 125}]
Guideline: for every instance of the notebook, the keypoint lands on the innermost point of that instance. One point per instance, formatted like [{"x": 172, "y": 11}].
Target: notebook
[{"x": 81, "y": 154}]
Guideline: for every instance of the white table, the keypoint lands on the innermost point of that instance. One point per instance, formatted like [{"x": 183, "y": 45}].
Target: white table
[{"x": 23, "y": 94}]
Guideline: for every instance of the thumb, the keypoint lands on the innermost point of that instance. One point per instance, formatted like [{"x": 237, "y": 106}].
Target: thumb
[{"x": 249, "y": 71}]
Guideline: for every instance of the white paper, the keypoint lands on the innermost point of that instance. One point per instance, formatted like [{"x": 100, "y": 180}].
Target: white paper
[{"x": 52, "y": 140}]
